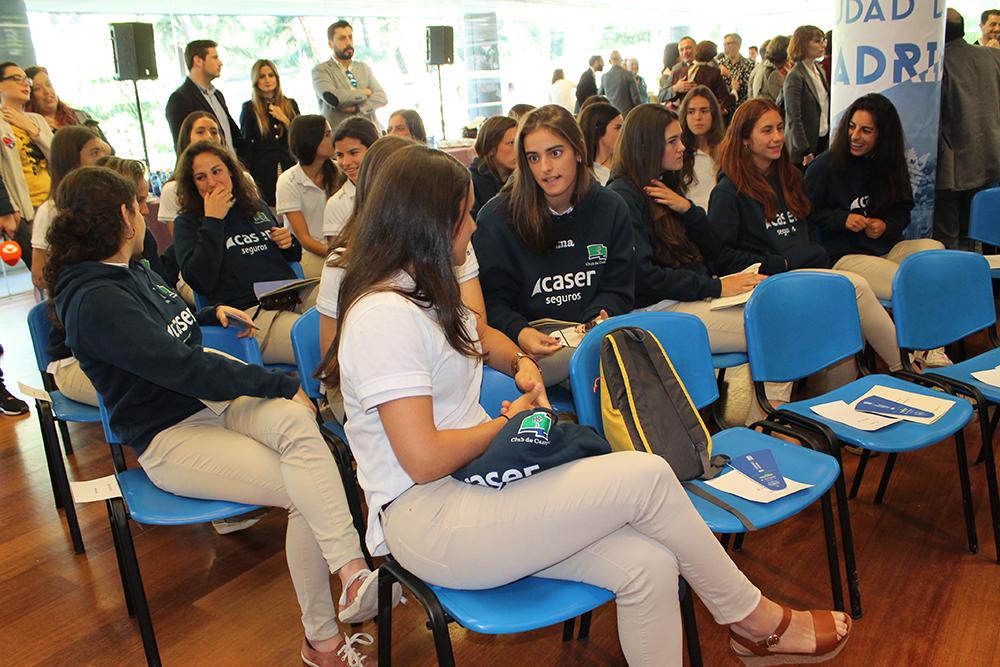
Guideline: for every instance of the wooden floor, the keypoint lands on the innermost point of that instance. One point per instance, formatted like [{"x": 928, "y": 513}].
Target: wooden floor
[{"x": 229, "y": 601}]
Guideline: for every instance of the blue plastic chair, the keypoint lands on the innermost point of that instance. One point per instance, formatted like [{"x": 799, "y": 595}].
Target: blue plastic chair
[
  {"x": 685, "y": 340},
  {"x": 798, "y": 324},
  {"x": 145, "y": 503},
  {"x": 984, "y": 219},
  {"x": 967, "y": 308},
  {"x": 61, "y": 411}
]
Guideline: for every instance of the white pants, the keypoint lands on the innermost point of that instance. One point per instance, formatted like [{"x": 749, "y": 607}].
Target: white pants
[
  {"x": 620, "y": 521},
  {"x": 879, "y": 271},
  {"x": 268, "y": 452}
]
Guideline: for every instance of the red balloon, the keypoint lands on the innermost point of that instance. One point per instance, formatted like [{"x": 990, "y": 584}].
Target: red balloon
[{"x": 10, "y": 252}]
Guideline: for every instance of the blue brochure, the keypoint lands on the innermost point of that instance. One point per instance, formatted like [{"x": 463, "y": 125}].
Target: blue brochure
[
  {"x": 883, "y": 406},
  {"x": 761, "y": 467}
]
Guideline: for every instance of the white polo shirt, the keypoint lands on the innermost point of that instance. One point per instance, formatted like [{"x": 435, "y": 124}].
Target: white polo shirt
[
  {"x": 40, "y": 225},
  {"x": 392, "y": 348},
  {"x": 327, "y": 302},
  {"x": 297, "y": 192},
  {"x": 338, "y": 209},
  {"x": 170, "y": 205}
]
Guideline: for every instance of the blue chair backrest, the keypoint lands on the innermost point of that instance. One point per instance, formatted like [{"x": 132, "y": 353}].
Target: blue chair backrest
[
  {"x": 224, "y": 339},
  {"x": 305, "y": 345},
  {"x": 495, "y": 389},
  {"x": 200, "y": 301},
  {"x": 39, "y": 326},
  {"x": 984, "y": 216},
  {"x": 684, "y": 339},
  {"x": 940, "y": 296},
  {"x": 799, "y": 323}
]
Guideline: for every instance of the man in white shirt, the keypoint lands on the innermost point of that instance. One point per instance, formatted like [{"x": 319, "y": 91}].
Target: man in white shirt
[
  {"x": 989, "y": 28},
  {"x": 344, "y": 86}
]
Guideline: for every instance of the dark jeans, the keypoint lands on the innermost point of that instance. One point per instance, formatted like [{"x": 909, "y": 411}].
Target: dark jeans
[{"x": 23, "y": 238}]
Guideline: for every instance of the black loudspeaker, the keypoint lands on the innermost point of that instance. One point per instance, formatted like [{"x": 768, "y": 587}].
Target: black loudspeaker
[
  {"x": 440, "y": 45},
  {"x": 135, "y": 55}
]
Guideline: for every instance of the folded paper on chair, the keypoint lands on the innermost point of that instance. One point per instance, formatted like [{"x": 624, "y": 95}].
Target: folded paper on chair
[
  {"x": 906, "y": 405},
  {"x": 740, "y": 485},
  {"x": 91, "y": 490},
  {"x": 990, "y": 376}
]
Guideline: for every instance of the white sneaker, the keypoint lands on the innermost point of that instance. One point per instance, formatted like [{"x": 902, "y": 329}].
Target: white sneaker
[
  {"x": 237, "y": 523},
  {"x": 365, "y": 605},
  {"x": 935, "y": 358}
]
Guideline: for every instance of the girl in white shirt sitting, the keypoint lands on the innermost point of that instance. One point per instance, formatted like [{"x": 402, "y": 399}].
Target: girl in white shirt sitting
[
  {"x": 410, "y": 365},
  {"x": 601, "y": 124},
  {"x": 702, "y": 131}
]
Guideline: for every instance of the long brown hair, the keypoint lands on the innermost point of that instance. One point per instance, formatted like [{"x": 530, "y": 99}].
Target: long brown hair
[
  {"x": 304, "y": 137},
  {"x": 245, "y": 197},
  {"x": 529, "y": 212},
  {"x": 639, "y": 159},
  {"x": 65, "y": 115},
  {"x": 737, "y": 164},
  {"x": 404, "y": 225},
  {"x": 714, "y": 135},
  {"x": 594, "y": 121},
  {"x": 370, "y": 164},
  {"x": 64, "y": 155},
  {"x": 488, "y": 139},
  {"x": 260, "y": 103}
]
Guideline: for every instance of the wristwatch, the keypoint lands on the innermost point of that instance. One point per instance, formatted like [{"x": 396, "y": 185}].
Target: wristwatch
[{"x": 515, "y": 363}]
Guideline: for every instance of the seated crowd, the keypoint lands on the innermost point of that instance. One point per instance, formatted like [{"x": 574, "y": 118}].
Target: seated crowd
[{"x": 427, "y": 270}]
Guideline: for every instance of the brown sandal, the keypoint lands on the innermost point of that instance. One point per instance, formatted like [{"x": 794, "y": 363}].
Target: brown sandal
[{"x": 827, "y": 643}]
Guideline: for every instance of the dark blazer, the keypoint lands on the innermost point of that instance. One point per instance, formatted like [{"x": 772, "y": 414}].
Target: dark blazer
[
  {"x": 621, "y": 89},
  {"x": 188, "y": 98},
  {"x": 801, "y": 100},
  {"x": 586, "y": 87},
  {"x": 706, "y": 75},
  {"x": 264, "y": 152}
]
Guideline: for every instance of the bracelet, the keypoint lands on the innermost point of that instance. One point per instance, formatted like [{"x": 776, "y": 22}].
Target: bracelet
[
  {"x": 515, "y": 363},
  {"x": 505, "y": 417}
]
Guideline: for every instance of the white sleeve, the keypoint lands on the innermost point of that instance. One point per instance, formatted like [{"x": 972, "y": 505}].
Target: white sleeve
[
  {"x": 335, "y": 214},
  {"x": 470, "y": 268},
  {"x": 386, "y": 323},
  {"x": 41, "y": 224},
  {"x": 329, "y": 291},
  {"x": 287, "y": 195},
  {"x": 170, "y": 207}
]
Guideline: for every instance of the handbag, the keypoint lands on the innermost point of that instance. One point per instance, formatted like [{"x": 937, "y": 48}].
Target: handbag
[{"x": 531, "y": 442}]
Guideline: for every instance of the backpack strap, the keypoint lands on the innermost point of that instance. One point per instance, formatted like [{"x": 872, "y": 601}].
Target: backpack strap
[{"x": 718, "y": 502}]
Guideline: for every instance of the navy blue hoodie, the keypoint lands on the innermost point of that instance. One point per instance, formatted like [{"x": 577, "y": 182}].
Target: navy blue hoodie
[
  {"x": 485, "y": 185},
  {"x": 654, "y": 281},
  {"x": 589, "y": 270},
  {"x": 836, "y": 194},
  {"x": 222, "y": 259},
  {"x": 141, "y": 347},
  {"x": 780, "y": 244}
]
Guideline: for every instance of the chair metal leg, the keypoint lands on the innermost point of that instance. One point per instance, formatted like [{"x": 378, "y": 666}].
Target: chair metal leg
[
  {"x": 717, "y": 407},
  {"x": 847, "y": 536},
  {"x": 568, "y": 626},
  {"x": 342, "y": 457},
  {"x": 986, "y": 451},
  {"x": 963, "y": 477},
  {"x": 690, "y": 625},
  {"x": 584, "y": 626},
  {"x": 67, "y": 442},
  {"x": 436, "y": 616},
  {"x": 116, "y": 539},
  {"x": 883, "y": 484},
  {"x": 830, "y": 533},
  {"x": 738, "y": 541},
  {"x": 60, "y": 480},
  {"x": 119, "y": 517},
  {"x": 42, "y": 413},
  {"x": 859, "y": 473},
  {"x": 724, "y": 540},
  {"x": 385, "y": 581}
]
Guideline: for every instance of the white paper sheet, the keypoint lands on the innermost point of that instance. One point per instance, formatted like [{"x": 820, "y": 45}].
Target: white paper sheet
[
  {"x": 32, "y": 392},
  {"x": 740, "y": 485},
  {"x": 841, "y": 412},
  {"x": 737, "y": 299},
  {"x": 990, "y": 376},
  {"x": 993, "y": 260},
  {"x": 91, "y": 490},
  {"x": 932, "y": 404}
]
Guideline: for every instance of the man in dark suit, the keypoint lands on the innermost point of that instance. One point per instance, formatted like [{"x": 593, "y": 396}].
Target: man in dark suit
[
  {"x": 198, "y": 94},
  {"x": 619, "y": 86},
  {"x": 587, "y": 85}
]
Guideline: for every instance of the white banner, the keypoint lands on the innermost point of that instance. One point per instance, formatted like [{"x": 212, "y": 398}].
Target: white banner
[{"x": 895, "y": 47}]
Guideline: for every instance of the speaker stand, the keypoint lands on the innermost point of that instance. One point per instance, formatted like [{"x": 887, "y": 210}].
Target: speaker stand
[
  {"x": 142, "y": 127},
  {"x": 441, "y": 102}
]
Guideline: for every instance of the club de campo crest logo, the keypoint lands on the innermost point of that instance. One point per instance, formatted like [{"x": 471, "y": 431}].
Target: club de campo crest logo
[
  {"x": 536, "y": 424},
  {"x": 597, "y": 253}
]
